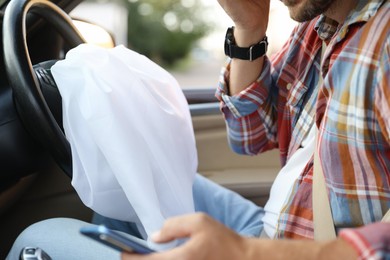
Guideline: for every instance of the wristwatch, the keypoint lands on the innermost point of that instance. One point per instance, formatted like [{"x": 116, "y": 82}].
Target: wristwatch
[{"x": 250, "y": 53}]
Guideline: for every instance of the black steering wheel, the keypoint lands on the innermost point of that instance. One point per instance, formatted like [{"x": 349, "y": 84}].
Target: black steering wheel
[{"x": 30, "y": 102}]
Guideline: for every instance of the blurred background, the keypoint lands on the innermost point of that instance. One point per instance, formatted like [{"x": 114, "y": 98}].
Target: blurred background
[{"x": 184, "y": 36}]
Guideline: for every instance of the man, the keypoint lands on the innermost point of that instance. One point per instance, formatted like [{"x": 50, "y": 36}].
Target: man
[{"x": 275, "y": 104}]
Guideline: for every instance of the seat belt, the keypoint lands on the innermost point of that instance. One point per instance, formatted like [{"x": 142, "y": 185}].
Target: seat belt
[
  {"x": 324, "y": 228},
  {"x": 386, "y": 217},
  {"x": 322, "y": 214}
]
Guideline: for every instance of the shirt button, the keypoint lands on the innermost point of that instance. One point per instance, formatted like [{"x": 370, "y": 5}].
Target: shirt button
[{"x": 289, "y": 86}]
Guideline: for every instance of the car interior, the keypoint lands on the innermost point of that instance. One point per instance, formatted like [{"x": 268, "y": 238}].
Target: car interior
[{"x": 35, "y": 157}]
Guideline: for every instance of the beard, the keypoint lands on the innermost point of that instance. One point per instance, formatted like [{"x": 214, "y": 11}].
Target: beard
[{"x": 306, "y": 10}]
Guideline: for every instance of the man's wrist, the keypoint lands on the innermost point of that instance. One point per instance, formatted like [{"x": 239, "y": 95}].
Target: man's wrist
[
  {"x": 246, "y": 38},
  {"x": 251, "y": 53}
]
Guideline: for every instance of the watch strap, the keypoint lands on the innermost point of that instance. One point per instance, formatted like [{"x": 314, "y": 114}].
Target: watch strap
[{"x": 249, "y": 53}]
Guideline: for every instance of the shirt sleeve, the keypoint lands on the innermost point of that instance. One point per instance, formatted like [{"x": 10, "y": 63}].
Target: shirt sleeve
[
  {"x": 371, "y": 241},
  {"x": 252, "y": 115}
]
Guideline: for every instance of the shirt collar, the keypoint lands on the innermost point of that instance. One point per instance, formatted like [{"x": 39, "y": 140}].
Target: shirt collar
[{"x": 364, "y": 10}]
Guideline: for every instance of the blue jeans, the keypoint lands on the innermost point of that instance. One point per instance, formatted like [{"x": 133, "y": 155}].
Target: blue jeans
[{"x": 60, "y": 237}]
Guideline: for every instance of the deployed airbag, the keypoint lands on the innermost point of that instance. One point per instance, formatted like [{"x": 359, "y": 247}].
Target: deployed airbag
[{"x": 129, "y": 127}]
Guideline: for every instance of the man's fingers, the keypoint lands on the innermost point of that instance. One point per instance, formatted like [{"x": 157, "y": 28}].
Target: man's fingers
[{"x": 180, "y": 227}]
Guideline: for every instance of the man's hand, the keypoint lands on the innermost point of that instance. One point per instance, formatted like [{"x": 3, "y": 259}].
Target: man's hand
[{"x": 208, "y": 239}]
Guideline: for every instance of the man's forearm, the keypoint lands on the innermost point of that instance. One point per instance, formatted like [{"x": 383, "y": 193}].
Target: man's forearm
[{"x": 299, "y": 249}]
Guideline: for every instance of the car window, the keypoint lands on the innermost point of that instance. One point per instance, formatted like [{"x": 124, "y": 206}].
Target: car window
[{"x": 201, "y": 67}]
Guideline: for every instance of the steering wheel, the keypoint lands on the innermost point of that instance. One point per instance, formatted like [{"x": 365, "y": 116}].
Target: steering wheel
[{"x": 30, "y": 102}]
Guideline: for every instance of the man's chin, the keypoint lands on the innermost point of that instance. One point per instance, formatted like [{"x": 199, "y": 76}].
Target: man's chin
[
  {"x": 291, "y": 3},
  {"x": 296, "y": 9},
  {"x": 300, "y": 13},
  {"x": 301, "y": 18},
  {"x": 306, "y": 10}
]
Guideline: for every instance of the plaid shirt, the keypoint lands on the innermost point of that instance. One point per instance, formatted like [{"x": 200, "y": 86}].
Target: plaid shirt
[{"x": 352, "y": 113}]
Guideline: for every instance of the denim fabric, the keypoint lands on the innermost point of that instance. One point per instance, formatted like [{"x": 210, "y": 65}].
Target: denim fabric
[{"x": 61, "y": 239}]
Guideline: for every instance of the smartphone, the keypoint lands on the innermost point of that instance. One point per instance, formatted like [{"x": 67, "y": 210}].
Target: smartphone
[{"x": 117, "y": 240}]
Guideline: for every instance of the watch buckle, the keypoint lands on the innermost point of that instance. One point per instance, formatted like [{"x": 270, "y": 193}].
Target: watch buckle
[{"x": 250, "y": 53}]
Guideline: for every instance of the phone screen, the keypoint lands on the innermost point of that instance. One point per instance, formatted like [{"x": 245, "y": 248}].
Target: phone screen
[{"x": 117, "y": 240}]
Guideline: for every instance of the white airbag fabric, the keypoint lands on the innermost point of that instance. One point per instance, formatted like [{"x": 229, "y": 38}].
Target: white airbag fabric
[{"x": 130, "y": 131}]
